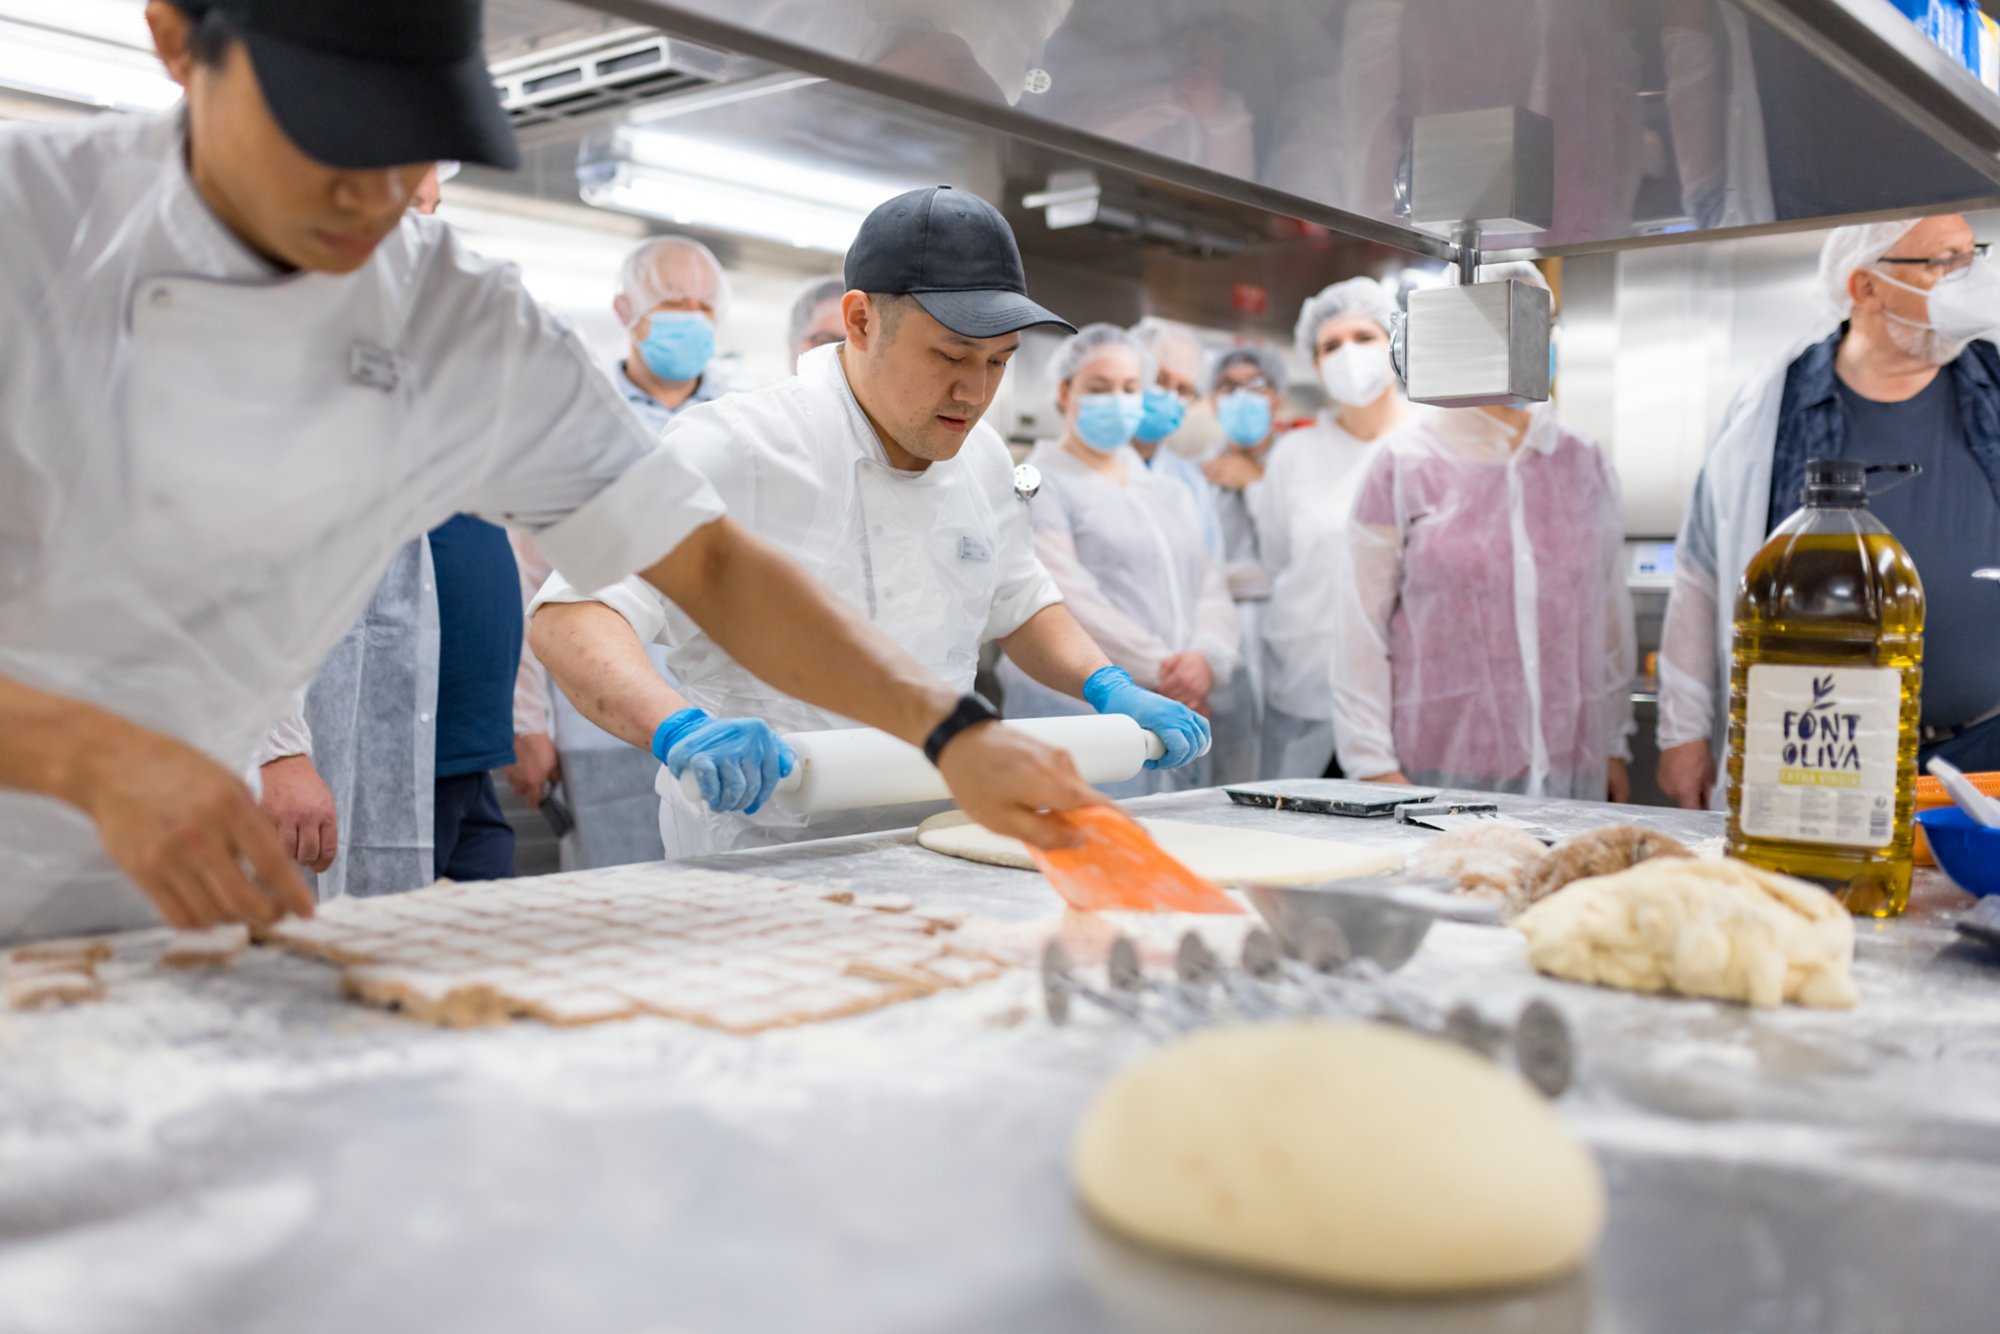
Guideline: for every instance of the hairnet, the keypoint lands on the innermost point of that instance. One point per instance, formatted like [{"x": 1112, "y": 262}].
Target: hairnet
[
  {"x": 1520, "y": 270},
  {"x": 1356, "y": 296},
  {"x": 814, "y": 295},
  {"x": 1260, "y": 355},
  {"x": 1172, "y": 347},
  {"x": 1851, "y": 248},
  {"x": 1093, "y": 341},
  {"x": 670, "y": 268}
]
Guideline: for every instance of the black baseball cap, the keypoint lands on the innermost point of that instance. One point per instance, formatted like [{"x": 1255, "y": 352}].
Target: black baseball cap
[
  {"x": 374, "y": 83},
  {"x": 955, "y": 254}
]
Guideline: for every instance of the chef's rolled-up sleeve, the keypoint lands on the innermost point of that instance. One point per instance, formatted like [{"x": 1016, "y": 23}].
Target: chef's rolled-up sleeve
[
  {"x": 637, "y": 601},
  {"x": 530, "y": 433}
]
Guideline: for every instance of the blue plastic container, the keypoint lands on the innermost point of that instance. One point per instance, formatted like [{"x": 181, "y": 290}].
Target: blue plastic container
[{"x": 1966, "y": 850}]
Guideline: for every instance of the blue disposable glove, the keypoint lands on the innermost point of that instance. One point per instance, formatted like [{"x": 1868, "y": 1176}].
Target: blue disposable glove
[
  {"x": 1183, "y": 731},
  {"x": 737, "y": 761}
]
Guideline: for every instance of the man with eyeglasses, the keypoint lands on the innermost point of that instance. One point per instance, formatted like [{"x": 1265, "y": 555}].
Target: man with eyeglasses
[{"x": 1910, "y": 376}]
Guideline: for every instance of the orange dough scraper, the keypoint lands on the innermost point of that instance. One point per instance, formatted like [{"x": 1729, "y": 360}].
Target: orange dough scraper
[{"x": 1119, "y": 866}]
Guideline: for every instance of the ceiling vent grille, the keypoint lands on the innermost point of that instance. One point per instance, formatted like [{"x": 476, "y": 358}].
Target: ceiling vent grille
[{"x": 619, "y": 70}]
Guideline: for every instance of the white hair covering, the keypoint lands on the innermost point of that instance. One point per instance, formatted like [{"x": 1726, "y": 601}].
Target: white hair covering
[
  {"x": 1091, "y": 342},
  {"x": 1266, "y": 359},
  {"x": 1172, "y": 346},
  {"x": 1520, "y": 270},
  {"x": 671, "y": 268},
  {"x": 1354, "y": 296},
  {"x": 1851, "y": 248}
]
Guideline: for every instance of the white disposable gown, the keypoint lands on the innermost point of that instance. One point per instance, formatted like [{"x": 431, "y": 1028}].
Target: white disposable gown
[
  {"x": 1301, "y": 509},
  {"x": 1727, "y": 521},
  {"x": 1134, "y": 568},
  {"x": 1485, "y": 638}
]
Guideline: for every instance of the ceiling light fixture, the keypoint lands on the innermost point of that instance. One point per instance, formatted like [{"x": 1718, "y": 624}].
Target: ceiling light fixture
[
  {"x": 699, "y": 183},
  {"x": 86, "y": 70}
]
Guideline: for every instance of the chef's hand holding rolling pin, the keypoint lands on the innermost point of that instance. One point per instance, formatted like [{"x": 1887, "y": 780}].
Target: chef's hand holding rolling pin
[{"x": 738, "y": 762}]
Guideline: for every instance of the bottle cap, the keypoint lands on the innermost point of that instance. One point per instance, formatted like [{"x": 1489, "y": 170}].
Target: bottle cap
[
  {"x": 1836, "y": 482},
  {"x": 1845, "y": 482}
]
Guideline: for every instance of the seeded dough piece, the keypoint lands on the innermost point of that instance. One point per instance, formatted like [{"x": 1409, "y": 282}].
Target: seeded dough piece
[
  {"x": 205, "y": 949},
  {"x": 46, "y": 989},
  {"x": 85, "y": 953},
  {"x": 1720, "y": 929},
  {"x": 1488, "y": 862},
  {"x": 1353, "y": 1154},
  {"x": 1599, "y": 852}
]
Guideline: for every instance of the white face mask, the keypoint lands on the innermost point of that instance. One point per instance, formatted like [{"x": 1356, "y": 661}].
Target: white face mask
[
  {"x": 1356, "y": 374},
  {"x": 1963, "y": 307}
]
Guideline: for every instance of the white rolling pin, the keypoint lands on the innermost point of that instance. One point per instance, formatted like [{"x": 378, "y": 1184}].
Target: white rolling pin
[{"x": 858, "y": 768}]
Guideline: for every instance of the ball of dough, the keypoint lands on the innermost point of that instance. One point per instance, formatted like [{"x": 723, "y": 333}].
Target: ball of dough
[
  {"x": 1351, "y": 1154},
  {"x": 1490, "y": 862},
  {"x": 1599, "y": 852},
  {"x": 1721, "y": 929}
]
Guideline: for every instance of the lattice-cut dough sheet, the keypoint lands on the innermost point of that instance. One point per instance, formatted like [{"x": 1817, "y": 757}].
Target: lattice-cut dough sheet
[{"x": 733, "y": 952}]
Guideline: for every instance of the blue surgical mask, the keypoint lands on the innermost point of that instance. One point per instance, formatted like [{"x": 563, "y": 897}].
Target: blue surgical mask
[
  {"x": 1245, "y": 416},
  {"x": 1163, "y": 415},
  {"x": 1106, "y": 421},
  {"x": 679, "y": 343}
]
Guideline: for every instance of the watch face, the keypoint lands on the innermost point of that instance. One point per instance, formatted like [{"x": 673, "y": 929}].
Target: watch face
[{"x": 1027, "y": 481}]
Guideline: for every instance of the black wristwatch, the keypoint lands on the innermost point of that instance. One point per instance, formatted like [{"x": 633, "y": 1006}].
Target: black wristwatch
[{"x": 971, "y": 710}]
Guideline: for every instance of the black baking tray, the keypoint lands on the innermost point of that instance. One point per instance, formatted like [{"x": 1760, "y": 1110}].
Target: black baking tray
[{"x": 1330, "y": 796}]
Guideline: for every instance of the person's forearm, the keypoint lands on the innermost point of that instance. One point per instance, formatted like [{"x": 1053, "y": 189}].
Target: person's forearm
[
  {"x": 47, "y": 741},
  {"x": 790, "y": 632},
  {"x": 1054, "y": 650},
  {"x": 595, "y": 659}
]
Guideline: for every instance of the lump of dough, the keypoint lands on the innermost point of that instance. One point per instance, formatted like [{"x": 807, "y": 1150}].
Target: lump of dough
[
  {"x": 1352, "y": 1154},
  {"x": 1599, "y": 852},
  {"x": 1721, "y": 929},
  {"x": 1490, "y": 862}
]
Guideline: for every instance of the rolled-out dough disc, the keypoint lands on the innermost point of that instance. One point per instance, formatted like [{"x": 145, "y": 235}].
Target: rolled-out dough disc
[{"x": 1226, "y": 856}]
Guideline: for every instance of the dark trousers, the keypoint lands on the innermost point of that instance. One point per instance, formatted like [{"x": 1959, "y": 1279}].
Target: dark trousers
[
  {"x": 474, "y": 840},
  {"x": 1975, "y": 750}
]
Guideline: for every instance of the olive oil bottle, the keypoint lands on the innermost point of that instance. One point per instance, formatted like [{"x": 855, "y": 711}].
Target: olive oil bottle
[{"x": 1825, "y": 672}]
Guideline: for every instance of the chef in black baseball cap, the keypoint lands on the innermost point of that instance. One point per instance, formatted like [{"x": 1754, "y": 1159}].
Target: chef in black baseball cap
[
  {"x": 359, "y": 83},
  {"x": 873, "y": 468},
  {"x": 254, "y": 374},
  {"x": 953, "y": 253}
]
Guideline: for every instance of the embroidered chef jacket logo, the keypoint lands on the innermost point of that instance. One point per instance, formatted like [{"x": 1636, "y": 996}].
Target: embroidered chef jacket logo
[
  {"x": 974, "y": 549},
  {"x": 375, "y": 367},
  {"x": 1822, "y": 743}
]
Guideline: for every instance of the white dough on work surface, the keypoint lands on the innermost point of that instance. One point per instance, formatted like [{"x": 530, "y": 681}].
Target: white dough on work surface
[
  {"x": 1720, "y": 929},
  {"x": 1352, "y": 1154},
  {"x": 1226, "y": 856},
  {"x": 212, "y": 948}
]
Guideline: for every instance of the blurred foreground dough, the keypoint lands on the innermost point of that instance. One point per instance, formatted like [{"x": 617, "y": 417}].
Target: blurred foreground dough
[{"x": 1351, "y": 1154}]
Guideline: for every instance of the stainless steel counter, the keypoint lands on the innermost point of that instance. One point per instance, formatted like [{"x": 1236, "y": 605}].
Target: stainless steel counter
[{"x": 242, "y": 1151}]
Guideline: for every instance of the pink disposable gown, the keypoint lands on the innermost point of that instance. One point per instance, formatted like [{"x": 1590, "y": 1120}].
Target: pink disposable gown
[{"x": 1485, "y": 631}]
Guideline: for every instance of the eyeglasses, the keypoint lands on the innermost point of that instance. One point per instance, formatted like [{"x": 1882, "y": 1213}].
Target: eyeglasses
[
  {"x": 1254, "y": 382},
  {"x": 1945, "y": 265}
]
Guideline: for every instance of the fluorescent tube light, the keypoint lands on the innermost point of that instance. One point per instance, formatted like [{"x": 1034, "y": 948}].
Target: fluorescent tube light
[
  {"x": 82, "y": 69},
  {"x": 697, "y": 183}
]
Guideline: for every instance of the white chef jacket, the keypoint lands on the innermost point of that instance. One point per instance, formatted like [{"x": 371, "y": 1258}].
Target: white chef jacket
[
  {"x": 206, "y": 467},
  {"x": 940, "y": 560}
]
